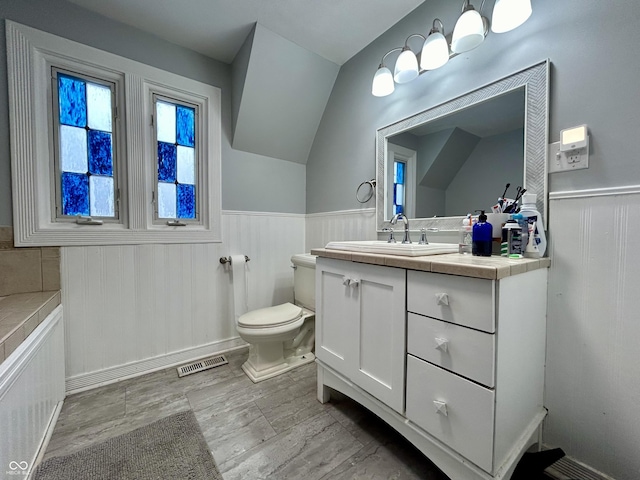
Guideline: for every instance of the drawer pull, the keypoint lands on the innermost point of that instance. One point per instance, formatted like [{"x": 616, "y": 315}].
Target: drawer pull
[
  {"x": 442, "y": 298},
  {"x": 442, "y": 344},
  {"x": 441, "y": 407}
]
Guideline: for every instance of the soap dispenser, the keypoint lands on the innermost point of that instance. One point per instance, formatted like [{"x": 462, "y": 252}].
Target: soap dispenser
[{"x": 482, "y": 236}]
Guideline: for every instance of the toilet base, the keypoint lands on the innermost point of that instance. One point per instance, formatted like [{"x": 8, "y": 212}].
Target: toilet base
[{"x": 289, "y": 363}]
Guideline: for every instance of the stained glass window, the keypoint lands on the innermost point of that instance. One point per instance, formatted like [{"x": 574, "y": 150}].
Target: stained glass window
[
  {"x": 399, "y": 174},
  {"x": 176, "y": 160},
  {"x": 85, "y": 147}
]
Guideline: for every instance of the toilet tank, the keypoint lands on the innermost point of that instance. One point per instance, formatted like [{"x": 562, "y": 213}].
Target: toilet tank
[{"x": 304, "y": 280}]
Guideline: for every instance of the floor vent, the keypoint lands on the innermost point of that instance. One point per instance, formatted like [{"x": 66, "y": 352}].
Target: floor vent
[
  {"x": 569, "y": 469},
  {"x": 201, "y": 365}
]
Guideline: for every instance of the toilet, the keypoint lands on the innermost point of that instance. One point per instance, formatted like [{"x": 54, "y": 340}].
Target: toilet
[{"x": 282, "y": 337}]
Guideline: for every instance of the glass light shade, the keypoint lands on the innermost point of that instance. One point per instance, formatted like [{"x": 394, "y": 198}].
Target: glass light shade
[
  {"x": 435, "y": 52},
  {"x": 382, "y": 82},
  {"x": 509, "y": 14},
  {"x": 406, "y": 67},
  {"x": 468, "y": 32}
]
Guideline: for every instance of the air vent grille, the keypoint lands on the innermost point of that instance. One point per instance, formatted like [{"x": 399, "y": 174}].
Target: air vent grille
[
  {"x": 569, "y": 469},
  {"x": 201, "y": 365}
]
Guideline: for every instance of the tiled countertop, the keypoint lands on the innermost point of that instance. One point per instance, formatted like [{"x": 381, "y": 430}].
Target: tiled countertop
[
  {"x": 491, "y": 268},
  {"x": 20, "y": 314}
]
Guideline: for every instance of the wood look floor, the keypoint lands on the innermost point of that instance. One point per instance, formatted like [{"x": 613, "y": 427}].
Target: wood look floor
[{"x": 274, "y": 429}]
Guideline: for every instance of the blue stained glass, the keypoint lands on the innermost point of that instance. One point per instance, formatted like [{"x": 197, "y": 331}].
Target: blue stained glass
[
  {"x": 186, "y": 201},
  {"x": 399, "y": 172},
  {"x": 72, "y": 101},
  {"x": 75, "y": 194},
  {"x": 185, "y": 126},
  {"x": 100, "y": 154},
  {"x": 166, "y": 162}
]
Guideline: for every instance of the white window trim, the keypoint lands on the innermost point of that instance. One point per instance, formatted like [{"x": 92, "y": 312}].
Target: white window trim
[{"x": 30, "y": 53}]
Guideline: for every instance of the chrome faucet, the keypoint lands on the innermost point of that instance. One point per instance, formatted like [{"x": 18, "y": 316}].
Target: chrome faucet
[{"x": 394, "y": 220}]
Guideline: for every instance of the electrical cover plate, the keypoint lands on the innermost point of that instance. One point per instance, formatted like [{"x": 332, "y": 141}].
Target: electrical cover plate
[{"x": 565, "y": 161}]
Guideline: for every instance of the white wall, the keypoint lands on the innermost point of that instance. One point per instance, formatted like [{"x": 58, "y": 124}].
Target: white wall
[
  {"x": 593, "y": 367},
  {"x": 130, "y": 309}
]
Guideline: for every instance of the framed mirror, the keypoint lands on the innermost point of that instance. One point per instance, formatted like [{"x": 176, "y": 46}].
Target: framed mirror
[{"x": 440, "y": 164}]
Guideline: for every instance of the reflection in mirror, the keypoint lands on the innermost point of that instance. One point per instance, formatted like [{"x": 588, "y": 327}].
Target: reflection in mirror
[
  {"x": 458, "y": 163},
  {"x": 442, "y": 163}
]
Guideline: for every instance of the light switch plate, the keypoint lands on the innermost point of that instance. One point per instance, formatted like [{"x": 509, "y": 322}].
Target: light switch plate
[{"x": 565, "y": 161}]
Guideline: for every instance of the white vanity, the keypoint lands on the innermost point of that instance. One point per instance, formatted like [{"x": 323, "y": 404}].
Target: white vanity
[{"x": 447, "y": 349}]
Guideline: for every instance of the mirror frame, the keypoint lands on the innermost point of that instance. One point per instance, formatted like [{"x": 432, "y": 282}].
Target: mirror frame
[{"x": 535, "y": 81}]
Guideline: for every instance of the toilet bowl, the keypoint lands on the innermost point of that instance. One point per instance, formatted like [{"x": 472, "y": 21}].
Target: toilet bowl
[{"x": 282, "y": 337}]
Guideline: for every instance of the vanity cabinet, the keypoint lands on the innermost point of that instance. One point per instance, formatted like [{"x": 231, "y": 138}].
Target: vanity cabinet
[
  {"x": 362, "y": 333},
  {"x": 459, "y": 360}
]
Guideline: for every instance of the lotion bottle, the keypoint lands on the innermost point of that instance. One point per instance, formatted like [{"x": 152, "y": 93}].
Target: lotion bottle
[
  {"x": 466, "y": 235},
  {"x": 537, "y": 240},
  {"x": 482, "y": 236}
]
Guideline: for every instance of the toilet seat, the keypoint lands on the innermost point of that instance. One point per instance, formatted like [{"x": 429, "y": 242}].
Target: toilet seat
[{"x": 268, "y": 317}]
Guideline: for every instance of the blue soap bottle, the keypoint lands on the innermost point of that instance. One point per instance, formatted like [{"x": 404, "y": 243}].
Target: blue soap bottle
[{"x": 482, "y": 236}]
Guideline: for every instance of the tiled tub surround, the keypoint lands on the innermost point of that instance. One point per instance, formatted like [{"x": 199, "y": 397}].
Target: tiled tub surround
[
  {"x": 20, "y": 314},
  {"x": 24, "y": 270}
]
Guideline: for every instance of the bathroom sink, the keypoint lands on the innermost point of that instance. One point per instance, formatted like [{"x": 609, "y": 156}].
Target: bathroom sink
[{"x": 383, "y": 247}]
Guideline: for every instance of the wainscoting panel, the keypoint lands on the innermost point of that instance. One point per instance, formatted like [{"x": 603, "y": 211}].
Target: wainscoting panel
[
  {"x": 136, "y": 308},
  {"x": 322, "y": 228},
  {"x": 31, "y": 388},
  {"x": 593, "y": 359}
]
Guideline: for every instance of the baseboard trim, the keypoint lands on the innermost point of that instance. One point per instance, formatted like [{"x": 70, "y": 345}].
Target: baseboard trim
[{"x": 88, "y": 381}]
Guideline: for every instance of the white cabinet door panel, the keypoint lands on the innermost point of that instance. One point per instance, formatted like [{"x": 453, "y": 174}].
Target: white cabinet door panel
[
  {"x": 462, "y": 300},
  {"x": 458, "y": 412},
  {"x": 462, "y": 350}
]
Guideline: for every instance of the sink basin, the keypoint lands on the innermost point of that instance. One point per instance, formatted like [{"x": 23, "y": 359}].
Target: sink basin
[{"x": 382, "y": 246}]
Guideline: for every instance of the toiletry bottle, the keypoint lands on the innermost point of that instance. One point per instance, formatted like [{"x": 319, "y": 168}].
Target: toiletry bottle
[
  {"x": 537, "y": 241},
  {"x": 511, "y": 245},
  {"x": 482, "y": 236},
  {"x": 466, "y": 235}
]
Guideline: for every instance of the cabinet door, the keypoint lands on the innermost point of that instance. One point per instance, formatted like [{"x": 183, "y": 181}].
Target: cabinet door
[
  {"x": 335, "y": 310},
  {"x": 360, "y": 325},
  {"x": 380, "y": 327}
]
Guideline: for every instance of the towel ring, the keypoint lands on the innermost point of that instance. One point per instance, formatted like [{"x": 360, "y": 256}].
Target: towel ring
[{"x": 369, "y": 194}]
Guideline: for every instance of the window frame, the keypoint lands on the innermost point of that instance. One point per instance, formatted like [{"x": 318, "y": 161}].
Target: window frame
[
  {"x": 191, "y": 102},
  {"x": 56, "y": 205},
  {"x": 30, "y": 55}
]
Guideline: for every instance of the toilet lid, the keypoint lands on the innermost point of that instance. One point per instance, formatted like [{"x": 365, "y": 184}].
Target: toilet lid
[{"x": 271, "y": 316}]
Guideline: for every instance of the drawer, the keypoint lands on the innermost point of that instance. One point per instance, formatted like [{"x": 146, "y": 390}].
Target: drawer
[
  {"x": 463, "y": 300},
  {"x": 456, "y": 411},
  {"x": 467, "y": 352}
]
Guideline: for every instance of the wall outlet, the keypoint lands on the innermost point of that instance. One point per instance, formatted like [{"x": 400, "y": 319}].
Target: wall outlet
[{"x": 565, "y": 161}]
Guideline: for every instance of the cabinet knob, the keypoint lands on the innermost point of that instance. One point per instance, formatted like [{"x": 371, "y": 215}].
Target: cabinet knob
[
  {"x": 442, "y": 298},
  {"x": 442, "y": 344},
  {"x": 346, "y": 281},
  {"x": 441, "y": 407},
  {"x": 354, "y": 282}
]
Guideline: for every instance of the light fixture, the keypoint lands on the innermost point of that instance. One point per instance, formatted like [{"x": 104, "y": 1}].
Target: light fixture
[
  {"x": 470, "y": 29},
  {"x": 383, "y": 80},
  {"x": 407, "y": 63},
  {"x": 435, "y": 51},
  {"x": 509, "y": 14},
  {"x": 469, "y": 32}
]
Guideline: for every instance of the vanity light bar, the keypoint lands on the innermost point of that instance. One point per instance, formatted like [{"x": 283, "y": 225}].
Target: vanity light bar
[{"x": 468, "y": 33}]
